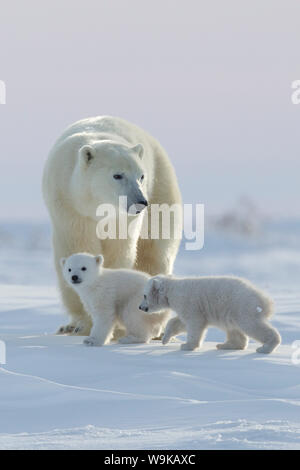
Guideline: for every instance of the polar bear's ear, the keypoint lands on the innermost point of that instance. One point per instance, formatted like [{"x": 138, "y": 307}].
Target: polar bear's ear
[
  {"x": 139, "y": 149},
  {"x": 99, "y": 260},
  {"x": 62, "y": 262},
  {"x": 86, "y": 154}
]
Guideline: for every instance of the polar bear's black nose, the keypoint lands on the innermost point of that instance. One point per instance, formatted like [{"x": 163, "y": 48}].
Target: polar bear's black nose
[
  {"x": 74, "y": 278},
  {"x": 143, "y": 202}
]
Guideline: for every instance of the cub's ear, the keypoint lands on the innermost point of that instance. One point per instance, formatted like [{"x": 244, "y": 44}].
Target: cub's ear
[
  {"x": 99, "y": 260},
  {"x": 157, "y": 285},
  {"x": 86, "y": 154},
  {"x": 139, "y": 149},
  {"x": 62, "y": 262}
]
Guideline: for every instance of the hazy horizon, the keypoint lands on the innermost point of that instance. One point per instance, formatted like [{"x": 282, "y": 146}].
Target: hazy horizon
[{"x": 210, "y": 80}]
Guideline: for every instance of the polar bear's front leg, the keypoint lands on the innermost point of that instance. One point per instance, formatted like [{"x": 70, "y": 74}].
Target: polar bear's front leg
[{"x": 102, "y": 330}]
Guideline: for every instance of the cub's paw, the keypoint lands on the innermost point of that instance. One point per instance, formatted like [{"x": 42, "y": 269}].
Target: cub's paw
[
  {"x": 187, "y": 347},
  {"x": 265, "y": 349},
  {"x": 65, "y": 330},
  {"x": 165, "y": 339},
  {"x": 92, "y": 341}
]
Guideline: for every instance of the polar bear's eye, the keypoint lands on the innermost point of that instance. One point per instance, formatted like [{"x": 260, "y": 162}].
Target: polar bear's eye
[
  {"x": 69, "y": 270},
  {"x": 142, "y": 177},
  {"x": 83, "y": 269},
  {"x": 118, "y": 177}
]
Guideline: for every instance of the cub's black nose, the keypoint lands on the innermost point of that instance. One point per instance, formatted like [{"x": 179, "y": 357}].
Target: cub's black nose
[
  {"x": 74, "y": 278},
  {"x": 143, "y": 202}
]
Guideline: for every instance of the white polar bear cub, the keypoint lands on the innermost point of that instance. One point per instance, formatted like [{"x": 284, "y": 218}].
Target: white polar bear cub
[
  {"x": 111, "y": 297},
  {"x": 230, "y": 303}
]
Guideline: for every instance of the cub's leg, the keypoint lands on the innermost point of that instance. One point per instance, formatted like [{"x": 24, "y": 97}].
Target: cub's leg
[
  {"x": 80, "y": 323},
  {"x": 196, "y": 329},
  {"x": 138, "y": 328},
  {"x": 141, "y": 327},
  {"x": 235, "y": 340},
  {"x": 174, "y": 327},
  {"x": 102, "y": 330},
  {"x": 263, "y": 332}
]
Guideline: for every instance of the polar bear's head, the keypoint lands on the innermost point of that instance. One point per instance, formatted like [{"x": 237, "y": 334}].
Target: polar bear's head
[
  {"x": 105, "y": 171},
  {"x": 155, "y": 295},
  {"x": 81, "y": 268}
]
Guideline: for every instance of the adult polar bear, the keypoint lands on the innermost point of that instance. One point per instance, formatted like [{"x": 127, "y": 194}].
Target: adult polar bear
[{"x": 95, "y": 161}]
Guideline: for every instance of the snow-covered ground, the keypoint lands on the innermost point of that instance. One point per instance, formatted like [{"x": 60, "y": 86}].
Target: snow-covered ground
[{"x": 56, "y": 393}]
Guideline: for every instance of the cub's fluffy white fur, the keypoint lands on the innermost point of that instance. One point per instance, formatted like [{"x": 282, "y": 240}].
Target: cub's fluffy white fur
[
  {"x": 111, "y": 297},
  {"x": 230, "y": 303}
]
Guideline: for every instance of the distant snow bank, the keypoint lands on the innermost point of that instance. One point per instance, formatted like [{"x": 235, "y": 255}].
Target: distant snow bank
[{"x": 268, "y": 255}]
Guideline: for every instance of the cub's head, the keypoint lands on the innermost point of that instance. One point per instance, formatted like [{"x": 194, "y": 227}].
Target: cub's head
[
  {"x": 81, "y": 268},
  {"x": 155, "y": 296},
  {"x": 107, "y": 170}
]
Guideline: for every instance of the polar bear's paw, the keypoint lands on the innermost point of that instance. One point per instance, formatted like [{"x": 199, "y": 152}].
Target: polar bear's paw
[
  {"x": 92, "y": 341},
  {"x": 66, "y": 330},
  {"x": 82, "y": 329}
]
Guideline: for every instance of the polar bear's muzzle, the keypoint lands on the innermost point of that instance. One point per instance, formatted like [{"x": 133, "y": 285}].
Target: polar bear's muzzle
[
  {"x": 137, "y": 207},
  {"x": 141, "y": 205}
]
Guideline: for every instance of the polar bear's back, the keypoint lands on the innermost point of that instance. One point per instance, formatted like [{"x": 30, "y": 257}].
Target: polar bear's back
[{"x": 108, "y": 127}]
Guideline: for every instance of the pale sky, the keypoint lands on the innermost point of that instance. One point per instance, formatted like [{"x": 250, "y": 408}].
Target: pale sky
[{"x": 210, "y": 79}]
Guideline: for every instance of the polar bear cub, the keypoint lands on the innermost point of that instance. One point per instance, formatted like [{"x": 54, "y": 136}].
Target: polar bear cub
[
  {"x": 111, "y": 297},
  {"x": 230, "y": 303}
]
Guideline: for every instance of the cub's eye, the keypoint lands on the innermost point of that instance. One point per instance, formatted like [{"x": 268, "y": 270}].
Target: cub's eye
[
  {"x": 83, "y": 269},
  {"x": 142, "y": 177},
  {"x": 118, "y": 177},
  {"x": 69, "y": 270},
  {"x": 145, "y": 297}
]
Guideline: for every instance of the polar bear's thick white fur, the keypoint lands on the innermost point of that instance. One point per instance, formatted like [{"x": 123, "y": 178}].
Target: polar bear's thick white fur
[
  {"x": 82, "y": 171},
  {"x": 229, "y": 303},
  {"x": 111, "y": 297}
]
